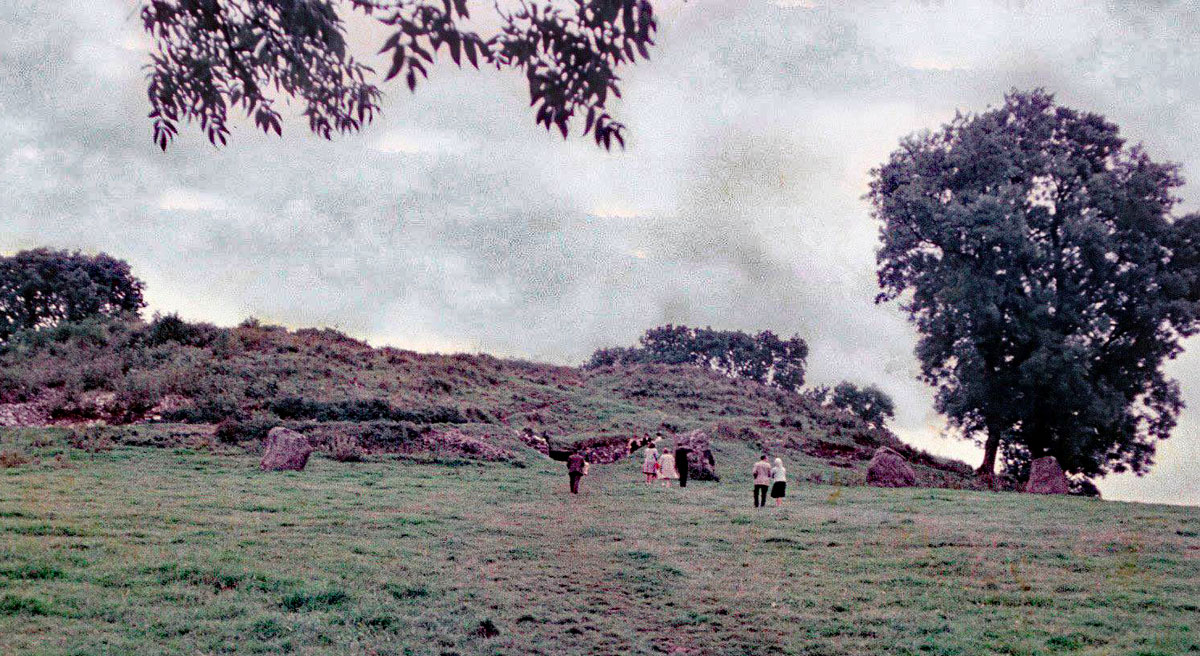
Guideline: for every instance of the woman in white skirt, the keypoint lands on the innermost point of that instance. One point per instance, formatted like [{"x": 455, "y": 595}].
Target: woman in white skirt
[
  {"x": 778, "y": 482},
  {"x": 666, "y": 468}
]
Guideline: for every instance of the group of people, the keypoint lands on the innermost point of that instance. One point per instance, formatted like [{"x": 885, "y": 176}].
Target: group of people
[
  {"x": 666, "y": 466},
  {"x": 769, "y": 475}
]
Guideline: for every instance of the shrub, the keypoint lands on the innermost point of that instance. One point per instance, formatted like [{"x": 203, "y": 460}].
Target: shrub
[
  {"x": 92, "y": 439},
  {"x": 12, "y": 459},
  {"x": 389, "y": 435},
  {"x": 345, "y": 448},
  {"x": 14, "y": 605},
  {"x": 206, "y": 411},
  {"x": 13, "y": 388},
  {"x": 237, "y": 431},
  {"x": 100, "y": 371},
  {"x": 137, "y": 394},
  {"x": 300, "y": 409},
  {"x": 308, "y": 600},
  {"x": 170, "y": 328}
]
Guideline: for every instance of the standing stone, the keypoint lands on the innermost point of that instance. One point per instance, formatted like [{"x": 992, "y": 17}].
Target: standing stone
[
  {"x": 701, "y": 464},
  {"x": 285, "y": 449},
  {"x": 889, "y": 469},
  {"x": 1046, "y": 477}
]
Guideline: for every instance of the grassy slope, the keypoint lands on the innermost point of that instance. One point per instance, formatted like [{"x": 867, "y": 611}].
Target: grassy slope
[
  {"x": 249, "y": 367},
  {"x": 155, "y": 551}
]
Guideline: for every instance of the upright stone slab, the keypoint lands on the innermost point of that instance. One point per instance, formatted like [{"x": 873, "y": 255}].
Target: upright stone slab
[
  {"x": 285, "y": 449},
  {"x": 701, "y": 464},
  {"x": 889, "y": 469},
  {"x": 1046, "y": 477}
]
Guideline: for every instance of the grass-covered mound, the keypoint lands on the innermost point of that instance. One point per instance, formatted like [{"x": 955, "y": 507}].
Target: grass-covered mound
[
  {"x": 154, "y": 551},
  {"x": 244, "y": 380}
]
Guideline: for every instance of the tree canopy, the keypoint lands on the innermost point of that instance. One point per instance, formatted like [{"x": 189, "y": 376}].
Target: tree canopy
[
  {"x": 763, "y": 358},
  {"x": 212, "y": 57},
  {"x": 1038, "y": 256},
  {"x": 869, "y": 403},
  {"x": 42, "y": 287}
]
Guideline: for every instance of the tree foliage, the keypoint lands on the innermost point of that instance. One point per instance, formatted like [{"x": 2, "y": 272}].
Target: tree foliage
[
  {"x": 214, "y": 56},
  {"x": 869, "y": 403},
  {"x": 42, "y": 287},
  {"x": 1038, "y": 256},
  {"x": 764, "y": 357}
]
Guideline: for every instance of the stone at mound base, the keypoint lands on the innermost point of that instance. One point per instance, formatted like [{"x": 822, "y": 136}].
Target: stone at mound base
[
  {"x": 1046, "y": 477},
  {"x": 889, "y": 469},
  {"x": 701, "y": 464},
  {"x": 285, "y": 450}
]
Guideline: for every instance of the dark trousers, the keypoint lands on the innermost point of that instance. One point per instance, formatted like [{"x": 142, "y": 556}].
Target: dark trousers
[
  {"x": 760, "y": 495},
  {"x": 681, "y": 467},
  {"x": 575, "y": 476}
]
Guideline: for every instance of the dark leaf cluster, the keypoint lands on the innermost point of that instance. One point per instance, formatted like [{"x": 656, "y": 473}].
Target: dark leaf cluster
[
  {"x": 869, "y": 403},
  {"x": 214, "y": 56},
  {"x": 764, "y": 358},
  {"x": 43, "y": 287},
  {"x": 1039, "y": 258}
]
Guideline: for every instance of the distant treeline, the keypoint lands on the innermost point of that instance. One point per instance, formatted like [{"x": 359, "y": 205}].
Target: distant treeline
[{"x": 763, "y": 358}]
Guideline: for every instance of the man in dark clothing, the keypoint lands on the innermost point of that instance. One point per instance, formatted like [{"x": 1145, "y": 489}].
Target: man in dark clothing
[
  {"x": 575, "y": 466},
  {"x": 681, "y": 465}
]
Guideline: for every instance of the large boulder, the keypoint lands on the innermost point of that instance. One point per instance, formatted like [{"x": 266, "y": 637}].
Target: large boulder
[
  {"x": 701, "y": 464},
  {"x": 889, "y": 469},
  {"x": 285, "y": 449},
  {"x": 1046, "y": 477}
]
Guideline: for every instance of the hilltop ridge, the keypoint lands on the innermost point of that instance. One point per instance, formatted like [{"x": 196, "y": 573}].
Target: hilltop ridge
[{"x": 172, "y": 373}]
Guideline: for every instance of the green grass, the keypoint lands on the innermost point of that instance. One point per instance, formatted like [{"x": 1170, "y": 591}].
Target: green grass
[{"x": 153, "y": 551}]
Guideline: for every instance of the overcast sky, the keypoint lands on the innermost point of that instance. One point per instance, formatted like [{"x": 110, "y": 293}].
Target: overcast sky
[{"x": 456, "y": 224}]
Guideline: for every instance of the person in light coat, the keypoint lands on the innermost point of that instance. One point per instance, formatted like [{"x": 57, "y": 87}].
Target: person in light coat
[
  {"x": 666, "y": 468},
  {"x": 762, "y": 480}
]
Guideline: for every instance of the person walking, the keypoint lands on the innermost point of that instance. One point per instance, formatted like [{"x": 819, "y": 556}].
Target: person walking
[
  {"x": 666, "y": 468},
  {"x": 762, "y": 479},
  {"x": 650, "y": 464},
  {"x": 576, "y": 467},
  {"x": 681, "y": 464},
  {"x": 778, "y": 482}
]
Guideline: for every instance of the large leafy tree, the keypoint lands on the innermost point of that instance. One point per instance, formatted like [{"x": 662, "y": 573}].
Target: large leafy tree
[
  {"x": 42, "y": 287},
  {"x": 217, "y": 56},
  {"x": 1038, "y": 256},
  {"x": 869, "y": 403},
  {"x": 765, "y": 357}
]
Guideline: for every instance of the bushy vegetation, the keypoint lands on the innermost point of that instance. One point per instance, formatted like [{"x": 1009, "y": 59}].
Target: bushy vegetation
[
  {"x": 762, "y": 358},
  {"x": 297, "y": 408},
  {"x": 43, "y": 287},
  {"x": 868, "y": 403},
  {"x": 252, "y": 377}
]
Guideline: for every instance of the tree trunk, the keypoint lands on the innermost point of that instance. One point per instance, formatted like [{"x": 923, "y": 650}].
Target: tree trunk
[{"x": 990, "y": 447}]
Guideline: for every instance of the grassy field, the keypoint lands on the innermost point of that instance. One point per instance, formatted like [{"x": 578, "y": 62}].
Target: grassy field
[{"x": 161, "y": 551}]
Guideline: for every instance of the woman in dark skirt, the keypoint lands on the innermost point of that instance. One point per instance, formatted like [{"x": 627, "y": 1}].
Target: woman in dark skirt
[{"x": 778, "y": 482}]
